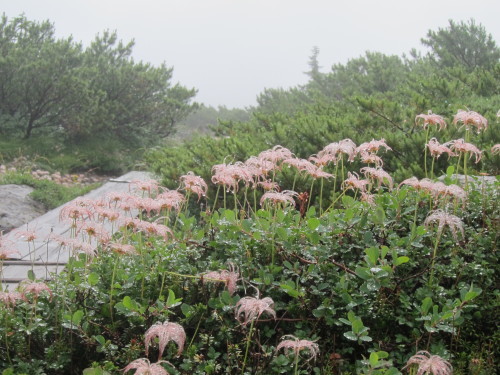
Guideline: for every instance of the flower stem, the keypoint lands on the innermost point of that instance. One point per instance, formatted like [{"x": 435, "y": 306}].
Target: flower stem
[
  {"x": 246, "y": 350},
  {"x": 438, "y": 237}
]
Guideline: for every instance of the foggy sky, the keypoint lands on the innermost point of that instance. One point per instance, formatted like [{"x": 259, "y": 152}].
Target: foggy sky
[{"x": 230, "y": 50}]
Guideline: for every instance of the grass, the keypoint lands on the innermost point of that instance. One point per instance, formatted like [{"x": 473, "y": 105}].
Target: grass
[{"x": 49, "y": 193}]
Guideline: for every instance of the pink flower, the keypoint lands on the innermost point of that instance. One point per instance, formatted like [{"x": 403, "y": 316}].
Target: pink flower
[
  {"x": 259, "y": 168},
  {"x": 368, "y": 198},
  {"x": 277, "y": 153},
  {"x": 194, "y": 184},
  {"x": 268, "y": 185},
  {"x": 142, "y": 366},
  {"x": 353, "y": 182},
  {"x": 443, "y": 218},
  {"x": 91, "y": 230},
  {"x": 378, "y": 174},
  {"x": 470, "y": 118},
  {"x": 372, "y": 147},
  {"x": 303, "y": 164},
  {"x": 34, "y": 288},
  {"x": 436, "y": 149},
  {"x": 7, "y": 248},
  {"x": 430, "y": 364},
  {"x": 10, "y": 298},
  {"x": 412, "y": 181},
  {"x": 121, "y": 248},
  {"x": 459, "y": 145},
  {"x": 75, "y": 210},
  {"x": 151, "y": 228},
  {"x": 319, "y": 173},
  {"x": 369, "y": 158},
  {"x": 148, "y": 204},
  {"x": 228, "y": 277},
  {"x": 170, "y": 199},
  {"x": 28, "y": 235},
  {"x": 148, "y": 186},
  {"x": 166, "y": 332},
  {"x": 285, "y": 197},
  {"x": 495, "y": 149},
  {"x": 230, "y": 175},
  {"x": 295, "y": 346},
  {"x": 431, "y": 119},
  {"x": 251, "y": 308}
]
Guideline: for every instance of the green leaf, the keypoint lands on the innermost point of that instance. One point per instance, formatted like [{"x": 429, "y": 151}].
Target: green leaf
[
  {"x": 100, "y": 339},
  {"x": 372, "y": 253},
  {"x": 373, "y": 359},
  {"x": 93, "y": 278},
  {"x": 351, "y": 336},
  {"x": 77, "y": 317},
  {"x": 230, "y": 216},
  {"x": 129, "y": 303},
  {"x": 31, "y": 275},
  {"x": 365, "y": 338},
  {"x": 313, "y": 223},
  {"x": 363, "y": 272},
  {"x": 426, "y": 305},
  {"x": 450, "y": 170},
  {"x": 282, "y": 233},
  {"x": 401, "y": 260}
]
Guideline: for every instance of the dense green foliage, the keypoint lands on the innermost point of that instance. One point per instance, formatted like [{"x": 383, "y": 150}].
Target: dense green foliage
[
  {"x": 370, "y": 284},
  {"x": 372, "y": 96}
]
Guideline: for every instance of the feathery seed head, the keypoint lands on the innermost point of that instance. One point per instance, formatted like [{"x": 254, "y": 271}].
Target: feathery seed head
[
  {"x": 470, "y": 119},
  {"x": 194, "y": 184},
  {"x": 142, "y": 366},
  {"x": 459, "y": 145},
  {"x": 9, "y": 299},
  {"x": 285, "y": 197},
  {"x": 443, "y": 218},
  {"x": 249, "y": 309},
  {"x": 295, "y": 346},
  {"x": 431, "y": 119},
  {"x": 430, "y": 364},
  {"x": 34, "y": 288},
  {"x": 165, "y": 332}
]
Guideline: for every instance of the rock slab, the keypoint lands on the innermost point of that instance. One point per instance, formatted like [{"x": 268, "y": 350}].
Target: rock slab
[{"x": 16, "y": 207}]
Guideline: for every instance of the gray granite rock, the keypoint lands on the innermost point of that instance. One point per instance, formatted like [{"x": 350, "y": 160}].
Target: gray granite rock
[{"x": 17, "y": 207}]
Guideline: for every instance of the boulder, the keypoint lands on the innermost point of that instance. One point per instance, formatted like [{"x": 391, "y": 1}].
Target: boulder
[{"x": 16, "y": 207}]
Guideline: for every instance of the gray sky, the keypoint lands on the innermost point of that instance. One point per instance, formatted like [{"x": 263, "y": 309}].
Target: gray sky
[{"x": 230, "y": 50}]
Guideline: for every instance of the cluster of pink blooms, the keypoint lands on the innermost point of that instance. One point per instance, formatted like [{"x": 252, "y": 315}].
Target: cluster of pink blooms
[
  {"x": 27, "y": 289},
  {"x": 437, "y": 189}
]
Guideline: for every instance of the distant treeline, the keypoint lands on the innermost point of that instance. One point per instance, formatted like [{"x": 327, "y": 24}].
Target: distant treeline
[{"x": 372, "y": 96}]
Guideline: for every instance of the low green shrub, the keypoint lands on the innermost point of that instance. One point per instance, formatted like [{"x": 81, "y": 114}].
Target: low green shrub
[{"x": 371, "y": 275}]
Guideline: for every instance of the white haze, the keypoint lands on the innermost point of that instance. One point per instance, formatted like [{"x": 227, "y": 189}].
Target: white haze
[{"x": 230, "y": 50}]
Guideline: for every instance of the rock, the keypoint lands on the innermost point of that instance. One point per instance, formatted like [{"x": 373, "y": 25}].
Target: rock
[
  {"x": 16, "y": 207},
  {"x": 477, "y": 181}
]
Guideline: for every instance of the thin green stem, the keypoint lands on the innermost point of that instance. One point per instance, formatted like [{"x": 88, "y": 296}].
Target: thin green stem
[
  {"x": 216, "y": 198},
  {"x": 248, "y": 346},
  {"x": 425, "y": 150},
  {"x": 438, "y": 237},
  {"x": 321, "y": 197},
  {"x": 310, "y": 194},
  {"x": 113, "y": 275}
]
